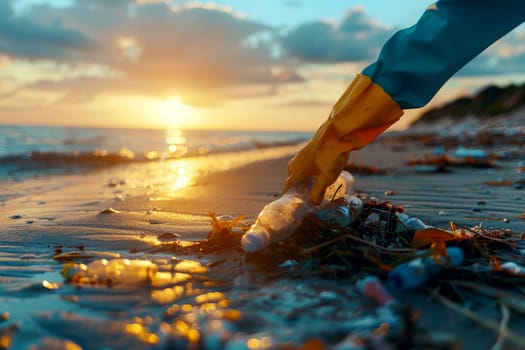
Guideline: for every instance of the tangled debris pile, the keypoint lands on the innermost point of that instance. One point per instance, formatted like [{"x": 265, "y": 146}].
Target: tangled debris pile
[
  {"x": 384, "y": 237},
  {"x": 384, "y": 243},
  {"x": 371, "y": 246}
]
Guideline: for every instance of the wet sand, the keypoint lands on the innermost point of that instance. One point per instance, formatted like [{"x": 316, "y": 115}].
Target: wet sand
[{"x": 65, "y": 212}]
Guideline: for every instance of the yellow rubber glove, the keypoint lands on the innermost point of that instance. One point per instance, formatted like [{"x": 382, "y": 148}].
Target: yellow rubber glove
[{"x": 363, "y": 112}]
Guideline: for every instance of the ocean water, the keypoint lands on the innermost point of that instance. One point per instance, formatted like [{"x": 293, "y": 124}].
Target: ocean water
[{"x": 33, "y": 150}]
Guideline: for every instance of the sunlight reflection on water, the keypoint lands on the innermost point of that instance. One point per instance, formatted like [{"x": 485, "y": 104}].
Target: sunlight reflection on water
[{"x": 166, "y": 178}]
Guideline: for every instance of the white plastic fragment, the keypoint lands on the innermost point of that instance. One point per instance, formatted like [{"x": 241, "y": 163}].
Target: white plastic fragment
[
  {"x": 513, "y": 268},
  {"x": 415, "y": 224}
]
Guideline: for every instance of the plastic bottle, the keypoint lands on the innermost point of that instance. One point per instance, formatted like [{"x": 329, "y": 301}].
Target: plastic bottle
[
  {"x": 115, "y": 271},
  {"x": 281, "y": 217},
  {"x": 338, "y": 215},
  {"x": 342, "y": 186},
  {"x": 415, "y": 272},
  {"x": 342, "y": 215}
]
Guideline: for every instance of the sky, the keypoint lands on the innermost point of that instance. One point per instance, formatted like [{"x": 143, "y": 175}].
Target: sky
[{"x": 229, "y": 64}]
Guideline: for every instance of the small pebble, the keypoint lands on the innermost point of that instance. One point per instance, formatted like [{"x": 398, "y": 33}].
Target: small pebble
[
  {"x": 476, "y": 209},
  {"x": 481, "y": 202},
  {"x": 109, "y": 211},
  {"x": 442, "y": 213},
  {"x": 390, "y": 193},
  {"x": 168, "y": 236},
  {"x": 326, "y": 295},
  {"x": 505, "y": 220},
  {"x": 16, "y": 216},
  {"x": 28, "y": 256},
  {"x": 4, "y": 316},
  {"x": 288, "y": 263}
]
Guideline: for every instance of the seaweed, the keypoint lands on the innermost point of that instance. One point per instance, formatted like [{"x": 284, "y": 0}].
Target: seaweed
[{"x": 375, "y": 247}]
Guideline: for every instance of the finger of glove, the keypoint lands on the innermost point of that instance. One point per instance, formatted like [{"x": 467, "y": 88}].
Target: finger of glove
[
  {"x": 300, "y": 167},
  {"x": 293, "y": 178},
  {"x": 318, "y": 190},
  {"x": 327, "y": 174}
]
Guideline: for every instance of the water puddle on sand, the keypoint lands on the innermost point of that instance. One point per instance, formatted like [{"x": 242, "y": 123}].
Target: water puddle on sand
[{"x": 158, "y": 301}]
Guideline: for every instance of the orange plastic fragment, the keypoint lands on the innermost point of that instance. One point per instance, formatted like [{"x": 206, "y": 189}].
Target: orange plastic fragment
[
  {"x": 439, "y": 250},
  {"x": 430, "y": 235}
]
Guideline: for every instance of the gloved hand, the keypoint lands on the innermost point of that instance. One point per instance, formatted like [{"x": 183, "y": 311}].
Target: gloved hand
[{"x": 362, "y": 113}]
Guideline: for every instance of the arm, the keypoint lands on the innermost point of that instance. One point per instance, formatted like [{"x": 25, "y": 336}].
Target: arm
[
  {"x": 413, "y": 65},
  {"x": 415, "y": 62}
]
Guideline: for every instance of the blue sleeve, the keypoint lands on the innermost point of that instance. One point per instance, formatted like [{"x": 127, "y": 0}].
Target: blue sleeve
[{"x": 415, "y": 62}]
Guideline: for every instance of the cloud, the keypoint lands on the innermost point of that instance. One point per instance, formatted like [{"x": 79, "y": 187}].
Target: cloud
[
  {"x": 359, "y": 38},
  {"x": 198, "y": 51},
  {"x": 303, "y": 103},
  {"x": 355, "y": 38},
  {"x": 504, "y": 57},
  {"x": 4, "y": 61},
  {"x": 203, "y": 52},
  {"x": 29, "y": 38}
]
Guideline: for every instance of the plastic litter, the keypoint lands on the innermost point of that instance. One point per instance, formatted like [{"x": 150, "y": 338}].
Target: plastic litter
[
  {"x": 372, "y": 288},
  {"x": 513, "y": 268},
  {"x": 473, "y": 153},
  {"x": 115, "y": 271},
  {"x": 280, "y": 218},
  {"x": 415, "y": 272},
  {"x": 415, "y": 224},
  {"x": 341, "y": 215},
  {"x": 372, "y": 219}
]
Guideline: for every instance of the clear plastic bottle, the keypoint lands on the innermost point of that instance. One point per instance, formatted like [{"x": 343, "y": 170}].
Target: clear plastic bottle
[
  {"x": 115, "y": 271},
  {"x": 281, "y": 217}
]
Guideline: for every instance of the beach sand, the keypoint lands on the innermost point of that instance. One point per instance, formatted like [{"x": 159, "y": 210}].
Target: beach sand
[{"x": 66, "y": 212}]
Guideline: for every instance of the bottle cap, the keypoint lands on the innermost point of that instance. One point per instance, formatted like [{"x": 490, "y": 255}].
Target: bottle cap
[{"x": 253, "y": 241}]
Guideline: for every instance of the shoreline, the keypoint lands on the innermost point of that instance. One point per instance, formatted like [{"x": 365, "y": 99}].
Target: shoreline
[{"x": 65, "y": 211}]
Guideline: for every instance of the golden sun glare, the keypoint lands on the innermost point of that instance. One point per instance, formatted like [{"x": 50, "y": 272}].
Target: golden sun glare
[{"x": 175, "y": 113}]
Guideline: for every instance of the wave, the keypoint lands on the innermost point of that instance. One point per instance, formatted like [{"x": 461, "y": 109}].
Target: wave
[{"x": 38, "y": 162}]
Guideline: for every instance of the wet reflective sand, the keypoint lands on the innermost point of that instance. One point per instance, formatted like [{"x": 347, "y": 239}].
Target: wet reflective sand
[{"x": 200, "y": 300}]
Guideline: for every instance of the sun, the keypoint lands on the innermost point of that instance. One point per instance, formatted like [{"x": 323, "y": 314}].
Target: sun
[{"x": 175, "y": 113}]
